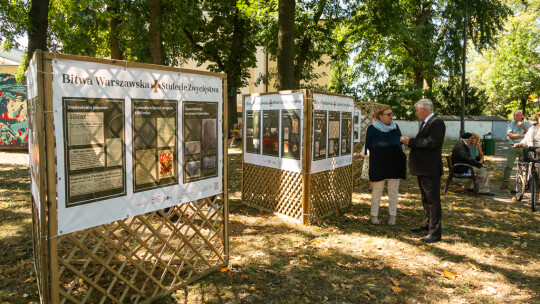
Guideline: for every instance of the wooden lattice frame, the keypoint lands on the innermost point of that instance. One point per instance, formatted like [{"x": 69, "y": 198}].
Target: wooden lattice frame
[
  {"x": 132, "y": 260},
  {"x": 281, "y": 191},
  {"x": 300, "y": 197},
  {"x": 330, "y": 192}
]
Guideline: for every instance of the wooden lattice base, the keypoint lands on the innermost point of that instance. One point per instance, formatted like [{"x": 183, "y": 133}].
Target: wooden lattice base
[
  {"x": 280, "y": 191},
  {"x": 272, "y": 190},
  {"x": 330, "y": 191},
  {"x": 133, "y": 260}
]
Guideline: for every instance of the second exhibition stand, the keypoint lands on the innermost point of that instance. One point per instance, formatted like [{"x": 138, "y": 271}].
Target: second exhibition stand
[{"x": 303, "y": 197}]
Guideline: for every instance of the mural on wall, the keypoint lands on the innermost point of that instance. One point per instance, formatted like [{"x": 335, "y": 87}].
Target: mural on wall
[{"x": 13, "y": 113}]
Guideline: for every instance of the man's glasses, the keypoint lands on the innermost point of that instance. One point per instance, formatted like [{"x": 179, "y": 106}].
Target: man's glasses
[{"x": 389, "y": 114}]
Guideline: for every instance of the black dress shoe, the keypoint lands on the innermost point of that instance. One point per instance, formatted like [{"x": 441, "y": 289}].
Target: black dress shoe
[
  {"x": 487, "y": 194},
  {"x": 419, "y": 229},
  {"x": 430, "y": 239}
]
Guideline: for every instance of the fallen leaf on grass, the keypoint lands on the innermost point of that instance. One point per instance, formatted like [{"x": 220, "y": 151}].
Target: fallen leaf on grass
[
  {"x": 224, "y": 269},
  {"x": 380, "y": 267},
  {"x": 472, "y": 266},
  {"x": 396, "y": 289},
  {"x": 448, "y": 274},
  {"x": 368, "y": 294},
  {"x": 369, "y": 241},
  {"x": 510, "y": 250},
  {"x": 394, "y": 281},
  {"x": 30, "y": 279},
  {"x": 4, "y": 205},
  {"x": 524, "y": 245}
]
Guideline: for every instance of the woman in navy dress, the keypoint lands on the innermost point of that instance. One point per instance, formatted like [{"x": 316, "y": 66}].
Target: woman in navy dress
[{"x": 387, "y": 161}]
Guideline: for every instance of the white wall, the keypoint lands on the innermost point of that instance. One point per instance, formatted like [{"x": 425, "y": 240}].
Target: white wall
[{"x": 497, "y": 128}]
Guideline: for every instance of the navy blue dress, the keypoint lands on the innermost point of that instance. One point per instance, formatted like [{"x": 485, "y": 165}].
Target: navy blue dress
[{"x": 386, "y": 157}]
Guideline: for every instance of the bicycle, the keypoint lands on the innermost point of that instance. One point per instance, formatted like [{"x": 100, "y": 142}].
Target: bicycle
[{"x": 527, "y": 175}]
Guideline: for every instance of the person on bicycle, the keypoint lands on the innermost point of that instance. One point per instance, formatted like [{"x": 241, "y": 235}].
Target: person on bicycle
[
  {"x": 532, "y": 142},
  {"x": 516, "y": 132},
  {"x": 532, "y": 137}
]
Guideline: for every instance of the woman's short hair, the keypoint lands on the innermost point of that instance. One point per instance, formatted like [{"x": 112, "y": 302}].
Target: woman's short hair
[
  {"x": 475, "y": 135},
  {"x": 381, "y": 110},
  {"x": 425, "y": 104}
]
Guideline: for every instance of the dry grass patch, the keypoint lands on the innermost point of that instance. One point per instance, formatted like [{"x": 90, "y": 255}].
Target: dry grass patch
[{"x": 490, "y": 254}]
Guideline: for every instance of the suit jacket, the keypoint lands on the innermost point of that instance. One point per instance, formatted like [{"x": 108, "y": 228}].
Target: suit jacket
[
  {"x": 425, "y": 158},
  {"x": 461, "y": 154}
]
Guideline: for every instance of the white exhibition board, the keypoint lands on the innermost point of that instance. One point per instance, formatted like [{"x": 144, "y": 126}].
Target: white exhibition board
[
  {"x": 332, "y": 132},
  {"x": 33, "y": 140},
  {"x": 273, "y": 128},
  {"x": 133, "y": 140}
]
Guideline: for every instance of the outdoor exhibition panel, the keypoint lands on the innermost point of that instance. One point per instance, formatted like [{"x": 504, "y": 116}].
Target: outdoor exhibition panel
[
  {"x": 128, "y": 176},
  {"x": 297, "y": 156}
]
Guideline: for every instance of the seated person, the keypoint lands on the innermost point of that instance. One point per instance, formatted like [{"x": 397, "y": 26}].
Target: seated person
[
  {"x": 461, "y": 154},
  {"x": 475, "y": 149}
]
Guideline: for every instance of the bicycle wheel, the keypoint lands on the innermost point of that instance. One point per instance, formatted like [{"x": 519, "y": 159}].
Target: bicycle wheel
[
  {"x": 534, "y": 189},
  {"x": 521, "y": 180}
]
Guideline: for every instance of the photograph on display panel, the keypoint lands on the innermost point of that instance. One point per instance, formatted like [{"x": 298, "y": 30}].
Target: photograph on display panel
[
  {"x": 200, "y": 140},
  {"x": 319, "y": 134},
  {"x": 94, "y": 149},
  {"x": 270, "y": 132},
  {"x": 154, "y": 143},
  {"x": 291, "y": 145},
  {"x": 333, "y": 133},
  {"x": 253, "y": 132},
  {"x": 346, "y": 129}
]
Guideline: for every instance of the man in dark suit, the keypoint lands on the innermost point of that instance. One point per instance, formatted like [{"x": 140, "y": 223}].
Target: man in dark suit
[{"x": 425, "y": 161}]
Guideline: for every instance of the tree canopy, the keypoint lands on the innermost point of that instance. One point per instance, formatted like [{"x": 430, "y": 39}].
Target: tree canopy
[
  {"x": 392, "y": 52},
  {"x": 509, "y": 71}
]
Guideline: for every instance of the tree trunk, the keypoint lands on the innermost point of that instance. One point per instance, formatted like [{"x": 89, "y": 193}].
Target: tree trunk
[
  {"x": 234, "y": 71},
  {"x": 524, "y": 105},
  {"x": 285, "y": 54},
  {"x": 418, "y": 78},
  {"x": 154, "y": 32},
  {"x": 38, "y": 25},
  {"x": 114, "y": 42},
  {"x": 306, "y": 44}
]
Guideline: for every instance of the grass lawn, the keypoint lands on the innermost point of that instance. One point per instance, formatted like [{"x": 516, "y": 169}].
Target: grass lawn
[{"x": 490, "y": 251}]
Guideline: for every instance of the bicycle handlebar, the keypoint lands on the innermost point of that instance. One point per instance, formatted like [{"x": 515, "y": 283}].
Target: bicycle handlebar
[{"x": 534, "y": 159}]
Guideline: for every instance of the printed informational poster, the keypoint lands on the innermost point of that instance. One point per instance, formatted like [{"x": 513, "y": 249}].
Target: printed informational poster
[
  {"x": 332, "y": 125},
  {"x": 357, "y": 127},
  {"x": 319, "y": 134},
  {"x": 253, "y": 132},
  {"x": 291, "y": 143},
  {"x": 333, "y": 133},
  {"x": 200, "y": 140},
  {"x": 346, "y": 127},
  {"x": 271, "y": 132},
  {"x": 89, "y": 124},
  {"x": 154, "y": 143},
  {"x": 122, "y": 146}
]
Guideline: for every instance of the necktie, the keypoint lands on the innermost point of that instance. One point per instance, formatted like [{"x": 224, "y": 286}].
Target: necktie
[{"x": 421, "y": 126}]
